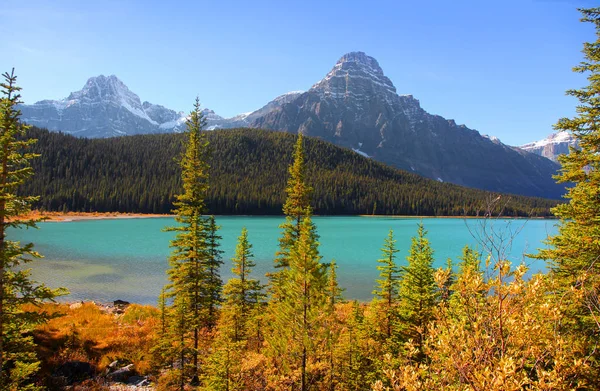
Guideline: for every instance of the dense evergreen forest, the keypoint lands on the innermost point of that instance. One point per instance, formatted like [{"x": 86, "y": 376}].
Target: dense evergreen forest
[{"x": 248, "y": 169}]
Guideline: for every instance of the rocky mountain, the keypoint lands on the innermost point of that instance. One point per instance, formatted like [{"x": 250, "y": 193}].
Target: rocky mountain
[
  {"x": 356, "y": 106},
  {"x": 552, "y": 146},
  {"x": 105, "y": 107}
]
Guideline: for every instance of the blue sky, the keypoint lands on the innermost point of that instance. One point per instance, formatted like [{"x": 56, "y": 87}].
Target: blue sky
[{"x": 500, "y": 67}]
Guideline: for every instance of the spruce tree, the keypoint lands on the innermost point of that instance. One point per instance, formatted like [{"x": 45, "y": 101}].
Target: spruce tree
[
  {"x": 297, "y": 332},
  {"x": 194, "y": 280},
  {"x": 233, "y": 330},
  {"x": 296, "y": 208},
  {"x": 213, "y": 285},
  {"x": 418, "y": 291},
  {"x": 18, "y": 361},
  {"x": 387, "y": 285},
  {"x": 241, "y": 292},
  {"x": 575, "y": 251}
]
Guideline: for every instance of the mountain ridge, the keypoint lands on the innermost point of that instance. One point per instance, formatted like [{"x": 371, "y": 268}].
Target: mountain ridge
[{"x": 355, "y": 106}]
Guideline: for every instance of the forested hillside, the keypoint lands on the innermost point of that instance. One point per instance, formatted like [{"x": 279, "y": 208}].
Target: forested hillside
[{"x": 247, "y": 176}]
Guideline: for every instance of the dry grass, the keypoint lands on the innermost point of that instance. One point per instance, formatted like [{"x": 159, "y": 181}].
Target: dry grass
[{"x": 88, "y": 333}]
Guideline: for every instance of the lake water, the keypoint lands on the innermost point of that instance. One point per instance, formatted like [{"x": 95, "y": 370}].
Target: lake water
[{"x": 105, "y": 260}]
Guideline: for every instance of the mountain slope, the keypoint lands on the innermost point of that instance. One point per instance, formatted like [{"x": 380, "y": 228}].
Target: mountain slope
[
  {"x": 552, "y": 146},
  {"x": 356, "y": 106},
  {"x": 248, "y": 176},
  {"x": 105, "y": 107}
]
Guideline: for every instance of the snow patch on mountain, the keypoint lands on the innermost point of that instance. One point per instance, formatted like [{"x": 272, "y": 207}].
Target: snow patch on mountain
[
  {"x": 361, "y": 153},
  {"x": 554, "y": 138}
]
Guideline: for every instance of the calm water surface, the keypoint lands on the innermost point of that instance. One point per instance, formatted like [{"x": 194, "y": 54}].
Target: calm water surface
[{"x": 126, "y": 259}]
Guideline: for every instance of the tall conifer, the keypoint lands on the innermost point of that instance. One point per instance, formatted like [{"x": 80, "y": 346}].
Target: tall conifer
[
  {"x": 575, "y": 250},
  {"x": 387, "y": 285},
  {"x": 418, "y": 291},
  {"x": 296, "y": 208},
  {"x": 194, "y": 280},
  {"x": 241, "y": 292},
  {"x": 297, "y": 332},
  {"x": 18, "y": 361}
]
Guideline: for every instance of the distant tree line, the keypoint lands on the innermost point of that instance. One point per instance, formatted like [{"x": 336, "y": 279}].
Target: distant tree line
[{"x": 248, "y": 167}]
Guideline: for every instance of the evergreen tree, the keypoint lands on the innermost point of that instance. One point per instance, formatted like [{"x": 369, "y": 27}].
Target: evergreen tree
[
  {"x": 240, "y": 302},
  {"x": 213, "y": 285},
  {"x": 575, "y": 250},
  {"x": 18, "y": 361},
  {"x": 387, "y": 285},
  {"x": 298, "y": 332},
  {"x": 162, "y": 349},
  {"x": 241, "y": 292},
  {"x": 194, "y": 280},
  {"x": 418, "y": 290},
  {"x": 296, "y": 208}
]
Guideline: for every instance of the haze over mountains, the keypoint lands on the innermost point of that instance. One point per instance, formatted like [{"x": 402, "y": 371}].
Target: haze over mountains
[{"x": 355, "y": 105}]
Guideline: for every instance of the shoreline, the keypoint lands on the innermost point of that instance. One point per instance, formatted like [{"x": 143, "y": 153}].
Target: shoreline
[{"x": 81, "y": 216}]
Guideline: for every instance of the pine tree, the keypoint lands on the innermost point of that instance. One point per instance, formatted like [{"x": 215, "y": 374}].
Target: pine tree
[
  {"x": 241, "y": 292},
  {"x": 298, "y": 317},
  {"x": 213, "y": 285},
  {"x": 387, "y": 285},
  {"x": 193, "y": 274},
  {"x": 162, "y": 349},
  {"x": 18, "y": 361},
  {"x": 296, "y": 208},
  {"x": 240, "y": 302},
  {"x": 575, "y": 250},
  {"x": 418, "y": 291}
]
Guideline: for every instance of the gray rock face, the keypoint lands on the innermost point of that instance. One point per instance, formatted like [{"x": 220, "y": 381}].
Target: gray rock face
[
  {"x": 552, "y": 146},
  {"x": 105, "y": 107},
  {"x": 357, "y": 106}
]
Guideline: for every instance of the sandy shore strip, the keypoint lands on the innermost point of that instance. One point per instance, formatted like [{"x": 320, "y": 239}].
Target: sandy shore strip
[{"x": 77, "y": 216}]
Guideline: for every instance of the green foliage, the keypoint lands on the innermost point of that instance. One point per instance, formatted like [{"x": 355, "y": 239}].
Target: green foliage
[
  {"x": 575, "y": 250},
  {"x": 387, "y": 285},
  {"x": 247, "y": 175},
  {"x": 18, "y": 361},
  {"x": 418, "y": 290},
  {"x": 296, "y": 208},
  {"x": 242, "y": 294},
  {"x": 298, "y": 331},
  {"x": 242, "y": 301},
  {"x": 195, "y": 284}
]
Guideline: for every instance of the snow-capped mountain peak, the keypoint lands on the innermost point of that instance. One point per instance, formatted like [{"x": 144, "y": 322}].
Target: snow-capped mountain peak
[
  {"x": 110, "y": 89},
  {"x": 104, "y": 107},
  {"x": 552, "y": 146}
]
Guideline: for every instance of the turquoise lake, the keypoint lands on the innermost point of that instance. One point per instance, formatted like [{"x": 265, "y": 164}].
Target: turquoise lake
[{"x": 105, "y": 260}]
